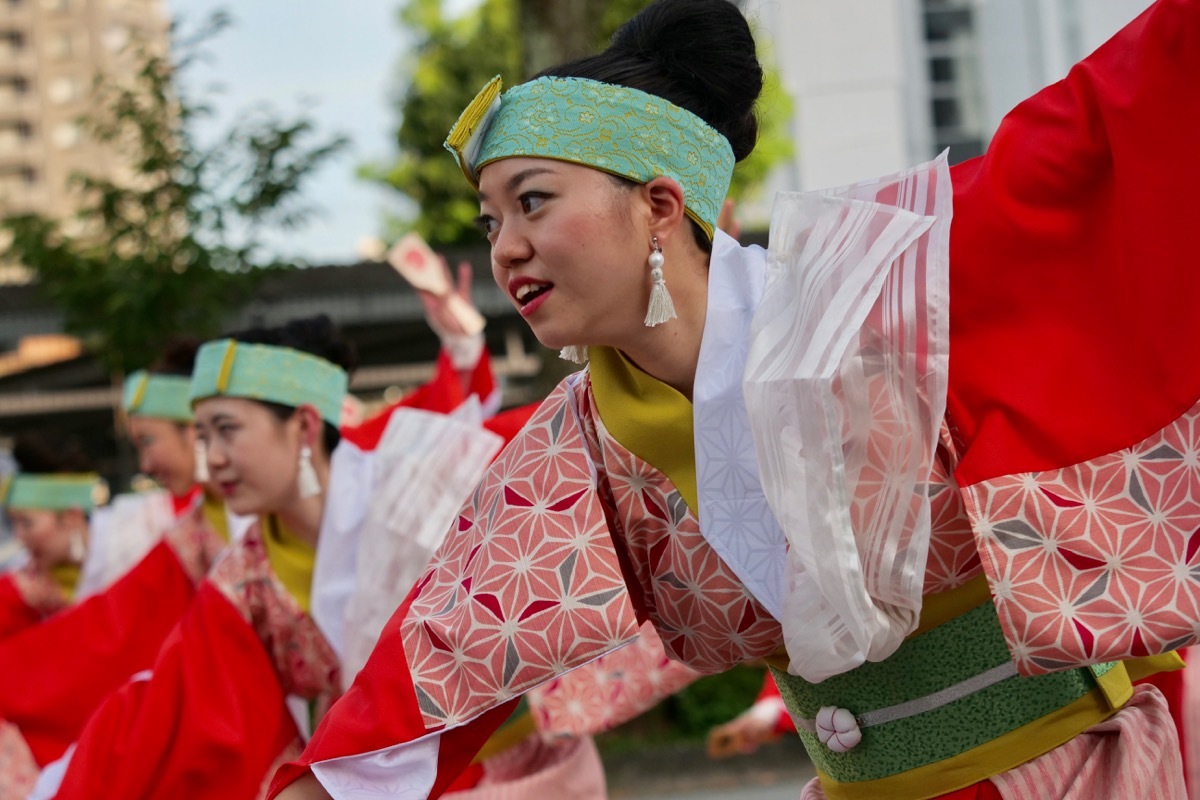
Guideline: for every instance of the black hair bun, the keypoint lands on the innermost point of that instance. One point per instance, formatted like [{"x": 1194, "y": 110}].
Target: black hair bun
[
  {"x": 699, "y": 54},
  {"x": 178, "y": 357},
  {"x": 50, "y": 453},
  {"x": 316, "y": 335}
]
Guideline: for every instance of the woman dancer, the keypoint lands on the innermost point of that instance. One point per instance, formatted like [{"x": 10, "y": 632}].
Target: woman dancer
[
  {"x": 957, "y": 529},
  {"x": 48, "y": 503}
]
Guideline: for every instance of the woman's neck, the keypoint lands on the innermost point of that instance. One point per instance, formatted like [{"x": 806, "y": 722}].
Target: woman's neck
[
  {"x": 670, "y": 351},
  {"x": 302, "y": 515}
]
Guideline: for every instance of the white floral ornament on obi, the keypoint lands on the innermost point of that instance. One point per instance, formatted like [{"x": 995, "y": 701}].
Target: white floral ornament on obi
[{"x": 837, "y": 729}]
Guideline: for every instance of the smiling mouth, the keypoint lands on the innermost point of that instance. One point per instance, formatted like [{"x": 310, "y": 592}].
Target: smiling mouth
[{"x": 528, "y": 292}]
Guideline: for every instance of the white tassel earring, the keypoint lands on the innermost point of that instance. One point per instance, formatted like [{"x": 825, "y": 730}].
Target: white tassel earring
[
  {"x": 201, "y": 471},
  {"x": 310, "y": 484},
  {"x": 77, "y": 548},
  {"x": 661, "y": 307},
  {"x": 574, "y": 352}
]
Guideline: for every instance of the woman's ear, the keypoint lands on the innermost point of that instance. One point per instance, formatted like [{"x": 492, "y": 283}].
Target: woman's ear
[
  {"x": 311, "y": 425},
  {"x": 664, "y": 200},
  {"x": 72, "y": 518}
]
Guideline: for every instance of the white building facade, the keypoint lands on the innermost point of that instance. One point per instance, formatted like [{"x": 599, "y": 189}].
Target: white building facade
[{"x": 878, "y": 85}]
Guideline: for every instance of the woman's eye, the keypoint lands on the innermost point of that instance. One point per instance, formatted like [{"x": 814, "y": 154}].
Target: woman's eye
[
  {"x": 487, "y": 225},
  {"x": 532, "y": 201}
]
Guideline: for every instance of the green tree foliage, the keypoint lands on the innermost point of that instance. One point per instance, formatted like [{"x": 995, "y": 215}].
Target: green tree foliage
[
  {"x": 454, "y": 57},
  {"x": 172, "y": 245},
  {"x": 452, "y": 60}
]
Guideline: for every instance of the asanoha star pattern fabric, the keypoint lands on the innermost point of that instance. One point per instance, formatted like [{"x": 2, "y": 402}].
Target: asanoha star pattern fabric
[
  {"x": 1097, "y": 561},
  {"x": 530, "y": 586},
  {"x": 705, "y": 615},
  {"x": 953, "y": 557},
  {"x": 611, "y": 690}
]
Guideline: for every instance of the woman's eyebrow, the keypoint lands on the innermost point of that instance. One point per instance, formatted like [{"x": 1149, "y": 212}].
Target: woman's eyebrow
[{"x": 514, "y": 182}]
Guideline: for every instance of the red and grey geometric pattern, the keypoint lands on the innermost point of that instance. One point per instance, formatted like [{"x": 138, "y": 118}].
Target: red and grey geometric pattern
[
  {"x": 706, "y": 618},
  {"x": 611, "y": 690},
  {"x": 1098, "y": 561},
  {"x": 530, "y": 586}
]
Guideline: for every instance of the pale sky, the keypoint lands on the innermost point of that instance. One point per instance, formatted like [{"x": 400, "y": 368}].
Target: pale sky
[{"x": 337, "y": 58}]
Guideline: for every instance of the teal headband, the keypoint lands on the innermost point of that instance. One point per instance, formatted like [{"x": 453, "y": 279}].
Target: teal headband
[
  {"x": 54, "y": 492},
  {"x": 269, "y": 373},
  {"x": 160, "y": 396},
  {"x": 624, "y": 131}
]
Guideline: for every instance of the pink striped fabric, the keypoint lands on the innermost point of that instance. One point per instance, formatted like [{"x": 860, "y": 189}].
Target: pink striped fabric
[
  {"x": 1191, "y": 721},
  {"x": 568, "y": 769},
  {"x": 1133, "y": 754},
  {"x": 18, "y": 771}
]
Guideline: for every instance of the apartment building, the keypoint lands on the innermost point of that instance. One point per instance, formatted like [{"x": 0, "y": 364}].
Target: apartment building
[{"x": 51, "y": 52}]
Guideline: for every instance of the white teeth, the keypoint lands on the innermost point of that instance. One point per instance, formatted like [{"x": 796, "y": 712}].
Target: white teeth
[{"x": 524, "y": 289}]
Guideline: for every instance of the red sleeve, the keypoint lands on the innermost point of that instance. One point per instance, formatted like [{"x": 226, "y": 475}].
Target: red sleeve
[
  {"x": 1073, "y": 321},
  {"x": 355, "y": 726},
  {"x": 15, "y": 613},
  {"x": 57, "y": 673},
  {"x": 443, "y": 393},
  {"x": 482, "y": 383},
  {"x": 207, "y": 725},
  {"x": 770, "y": 689}
]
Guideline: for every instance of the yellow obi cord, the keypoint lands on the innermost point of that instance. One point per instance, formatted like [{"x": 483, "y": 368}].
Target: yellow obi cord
[
  {"x": 291, "y": 559},
  {"x": 516, "y": 729}
]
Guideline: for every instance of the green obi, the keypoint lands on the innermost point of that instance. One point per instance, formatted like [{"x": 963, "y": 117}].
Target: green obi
[{"x": 942, "y": 694}]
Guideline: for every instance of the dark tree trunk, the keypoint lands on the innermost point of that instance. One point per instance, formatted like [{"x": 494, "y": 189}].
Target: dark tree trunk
[{"x": 554, "y": 31}]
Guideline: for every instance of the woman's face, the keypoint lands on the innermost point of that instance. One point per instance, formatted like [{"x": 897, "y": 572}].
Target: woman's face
[
  {"x": 50, "y": 537},
  {"x": 166, "y": 452},
  {"x": 253, "y": 456},
  {"x": 566, "y": 250}
]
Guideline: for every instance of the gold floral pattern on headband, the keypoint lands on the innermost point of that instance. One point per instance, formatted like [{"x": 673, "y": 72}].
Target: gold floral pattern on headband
[{"x": 616, "y": 129}]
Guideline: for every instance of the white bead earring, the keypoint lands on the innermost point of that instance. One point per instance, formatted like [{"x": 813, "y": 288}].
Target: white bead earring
[
  {"x": 201, "y": 452},
  {"x": 310, "y": 484},
  {"x": 661, "y": 306}
]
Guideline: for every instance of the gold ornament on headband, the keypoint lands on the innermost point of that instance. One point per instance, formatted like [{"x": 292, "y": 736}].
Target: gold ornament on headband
[{"x": 466, "y": 137}]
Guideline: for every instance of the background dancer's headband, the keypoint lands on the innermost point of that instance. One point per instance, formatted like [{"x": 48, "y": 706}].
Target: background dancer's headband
[
  {"x": 269, "y": 373},
  {"x": 612, "y": 128},
  {"x": 56, "y": 492},
  {"x": 159, "y": 396}
]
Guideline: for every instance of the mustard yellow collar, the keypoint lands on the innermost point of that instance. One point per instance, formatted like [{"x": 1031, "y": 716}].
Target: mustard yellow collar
[
  {"x": 291, "y": 559},
  {"x": 649, "y": 418},
  {"x": 66, "y": 578}
]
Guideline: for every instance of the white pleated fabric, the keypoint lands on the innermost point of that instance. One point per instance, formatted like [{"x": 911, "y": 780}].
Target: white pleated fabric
[
  {"x": 735, "y": 518},
  {"x": 335, "y": 573},
  {"x": 426, "y": 467},
  {"x": 845, "y": 389},
  {"x": 120, "y": 535}
]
